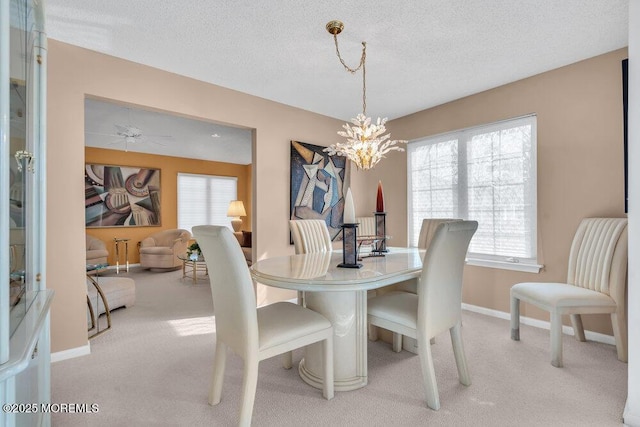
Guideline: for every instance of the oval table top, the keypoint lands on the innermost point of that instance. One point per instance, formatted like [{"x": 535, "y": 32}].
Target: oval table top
[{"x": 319, "y": 272}]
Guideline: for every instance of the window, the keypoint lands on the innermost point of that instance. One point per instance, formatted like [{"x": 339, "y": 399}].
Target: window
[
  {"x": 487, "y": 174},
  {"x": 204, "y": 199}
]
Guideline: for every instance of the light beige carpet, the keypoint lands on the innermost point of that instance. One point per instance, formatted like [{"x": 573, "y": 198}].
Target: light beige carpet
[{"x": 153, "y": 369}]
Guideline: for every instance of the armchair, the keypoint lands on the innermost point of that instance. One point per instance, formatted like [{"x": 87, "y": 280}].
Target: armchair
[
  {"x": 97, "y": 252},
  {"x": 161, "y": 250}
]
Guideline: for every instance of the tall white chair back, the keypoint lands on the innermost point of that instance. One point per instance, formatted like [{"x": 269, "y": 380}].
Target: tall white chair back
[
  {"x": 310, "y": 235},
  {"x": 254, "y": 334},
  {"x": 367, "y": 225},
  {"x": 437, "y": 307},
  {"x": 427, "y": 231}
]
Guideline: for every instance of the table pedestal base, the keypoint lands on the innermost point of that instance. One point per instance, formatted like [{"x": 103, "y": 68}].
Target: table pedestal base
[{"x": 347, "y": 312}]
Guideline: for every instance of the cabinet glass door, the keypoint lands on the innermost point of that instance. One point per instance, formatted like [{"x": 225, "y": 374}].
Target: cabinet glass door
[{"x": 21, "y": 40}]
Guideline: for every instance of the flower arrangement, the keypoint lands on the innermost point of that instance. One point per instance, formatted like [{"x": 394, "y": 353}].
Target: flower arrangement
[{"x": 193, "y": 250}]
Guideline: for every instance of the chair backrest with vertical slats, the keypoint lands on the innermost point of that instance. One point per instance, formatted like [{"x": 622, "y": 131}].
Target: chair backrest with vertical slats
[
  {"x": 598, "y": 257},
  {"x": 310, "y": 235}
]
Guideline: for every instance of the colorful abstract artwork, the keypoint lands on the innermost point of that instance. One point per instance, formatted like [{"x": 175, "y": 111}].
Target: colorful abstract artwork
[
  {"x": 318, "y": 183},
  {"x": 121, "y": 196}
]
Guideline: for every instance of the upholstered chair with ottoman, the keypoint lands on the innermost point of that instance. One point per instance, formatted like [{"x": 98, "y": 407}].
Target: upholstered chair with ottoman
[{"x": 161, "y": 250}]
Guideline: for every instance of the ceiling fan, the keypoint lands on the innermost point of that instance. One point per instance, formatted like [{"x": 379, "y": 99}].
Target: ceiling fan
[{"x": 130, "y": 134}]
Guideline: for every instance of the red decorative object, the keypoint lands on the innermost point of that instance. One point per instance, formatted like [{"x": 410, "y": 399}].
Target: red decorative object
[{"x": 380, "y": 198}]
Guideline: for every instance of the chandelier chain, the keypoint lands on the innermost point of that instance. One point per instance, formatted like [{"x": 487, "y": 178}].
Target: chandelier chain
[{"x": 353, "y": 70}]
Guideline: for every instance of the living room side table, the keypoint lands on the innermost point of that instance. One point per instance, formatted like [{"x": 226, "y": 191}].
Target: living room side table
[
  {"x": 117, "y": 241},
  {"x": 195, "y": 265}
]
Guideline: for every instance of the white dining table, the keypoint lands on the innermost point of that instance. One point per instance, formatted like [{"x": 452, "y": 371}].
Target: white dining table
[{"x": 340, "y": 294}]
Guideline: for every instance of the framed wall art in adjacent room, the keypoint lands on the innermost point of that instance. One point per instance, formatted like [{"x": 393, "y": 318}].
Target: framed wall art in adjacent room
[{"x": 121, "y": 196}]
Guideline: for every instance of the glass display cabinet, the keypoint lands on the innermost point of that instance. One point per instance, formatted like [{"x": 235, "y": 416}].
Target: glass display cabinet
[{"x": 24, "y": 299}]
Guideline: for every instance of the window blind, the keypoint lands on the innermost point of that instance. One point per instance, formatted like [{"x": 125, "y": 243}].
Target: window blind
[
  {"x": 485, "y": 173},
  {"x": 204, "y": 199}
]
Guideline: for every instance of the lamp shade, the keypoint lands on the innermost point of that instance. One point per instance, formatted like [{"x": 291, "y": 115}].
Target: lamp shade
[{"x": 236, "y": 209}]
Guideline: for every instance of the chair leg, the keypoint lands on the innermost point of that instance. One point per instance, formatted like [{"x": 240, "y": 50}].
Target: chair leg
[
  {"x": 620, "y": 334},
  {"x": 578, "y": 330},
  {"x": 397, "y": 342},
  {"x": 287, "y": 360},
  {"x": 428, "y": 373},
  {"x": 556, "y": 339},
  {"x": 219, "y": 363},
  {"x": 515, "y": 318},
  {"x": 373, "y": 332},
  {"x": 301, "y": 298},
  {"x": 249, "y": 384},
  {"x": 458, "y": 352},
  {"x": 327, "y": 386}
]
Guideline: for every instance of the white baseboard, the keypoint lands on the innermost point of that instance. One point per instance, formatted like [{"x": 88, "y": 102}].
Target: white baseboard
[
  {"x": 568, "y": 330},
  {"x": 71, "y": 353}
]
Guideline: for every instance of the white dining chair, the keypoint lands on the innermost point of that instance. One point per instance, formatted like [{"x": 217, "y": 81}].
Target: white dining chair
[
  {"x": 309, "y": 236},
  {"x": 596, "y": 282},
  {"x": 254, "y": 334},
  {"x": 427, "y": 231},
  {"x": 436, "y": 307},
  {"x": 366, "y": 225}
]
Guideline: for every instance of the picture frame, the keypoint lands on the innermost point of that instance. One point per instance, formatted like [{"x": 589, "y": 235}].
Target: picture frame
[
  {"x": 318, "y": 185},
  {"x": 121, "y": 196}
]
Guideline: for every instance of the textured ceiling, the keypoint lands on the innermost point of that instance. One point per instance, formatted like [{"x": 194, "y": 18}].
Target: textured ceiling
[
  {"x": 420, "y": 53},
  {"x": 164, "y": 134}
]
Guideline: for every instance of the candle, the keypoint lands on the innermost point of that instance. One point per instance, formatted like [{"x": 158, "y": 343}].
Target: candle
[
  {"x": 380, "y": 198},
  {"x": 349, "y": 209}
]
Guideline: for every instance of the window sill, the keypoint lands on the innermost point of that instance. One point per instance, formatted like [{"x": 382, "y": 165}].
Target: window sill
[{"x": 503, "y": 265}]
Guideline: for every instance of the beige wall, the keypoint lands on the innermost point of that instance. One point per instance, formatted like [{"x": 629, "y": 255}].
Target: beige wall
[
  {"x": 169, "y": 169},
  {"x": 75, "y": 73},
  {"x": 580, "y": 165}
]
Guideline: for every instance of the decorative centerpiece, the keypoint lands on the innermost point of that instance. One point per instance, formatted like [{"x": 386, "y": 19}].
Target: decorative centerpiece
[
  {"x": 381, "y": 221},
  {"x": 193, "y": 251},
  {"x": 349, "y": 234}
]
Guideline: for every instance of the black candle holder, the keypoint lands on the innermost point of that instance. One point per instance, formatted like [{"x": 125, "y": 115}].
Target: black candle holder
[
  {"x": 349, "y": 246},
  {"x": 381, "y": 231}
]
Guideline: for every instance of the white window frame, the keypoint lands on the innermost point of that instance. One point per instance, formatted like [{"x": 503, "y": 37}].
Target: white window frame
[
  {"x": 211, "y": 181},
  {"x": 464, "y": 136}
]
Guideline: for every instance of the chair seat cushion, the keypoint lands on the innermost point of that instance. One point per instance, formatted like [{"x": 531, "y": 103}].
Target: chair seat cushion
[
  {"x": 397, "y": 307},
  {"x": 560, "y": 295},
  {"x": 156, "y": 250},
  {"x": 283, "y": 322}
]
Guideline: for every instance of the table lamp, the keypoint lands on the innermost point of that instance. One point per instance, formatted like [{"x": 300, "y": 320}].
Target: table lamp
[{"x": 236, "y": 210}]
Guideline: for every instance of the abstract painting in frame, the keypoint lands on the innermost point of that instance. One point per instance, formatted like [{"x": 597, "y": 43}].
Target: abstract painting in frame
[
  {"x": 121, "y": 196},
  {"x": 318, "y": 183}
]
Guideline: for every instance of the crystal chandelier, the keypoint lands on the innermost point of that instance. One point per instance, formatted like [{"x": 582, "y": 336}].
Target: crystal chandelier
[{"x": 366, "y": 141}]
